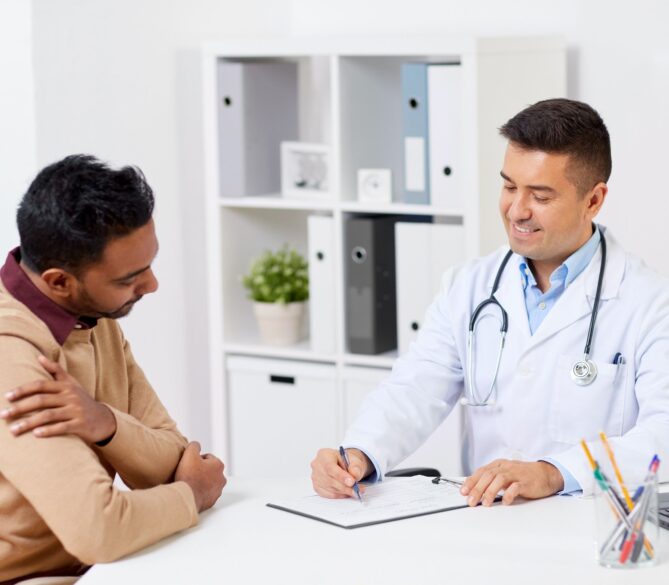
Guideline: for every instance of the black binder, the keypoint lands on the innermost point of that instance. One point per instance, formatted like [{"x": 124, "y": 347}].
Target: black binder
[{"x": 371, "y": 308}]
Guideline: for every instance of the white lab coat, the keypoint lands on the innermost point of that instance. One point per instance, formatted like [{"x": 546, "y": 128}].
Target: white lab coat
[{"x": 540, "y": 412}]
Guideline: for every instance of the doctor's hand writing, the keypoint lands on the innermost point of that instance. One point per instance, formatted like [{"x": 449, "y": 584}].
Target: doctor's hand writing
[
  {"x": 59, "y": 406},
  {"x": 531, "y": 480},
  {"x": 329, "y": 477}
]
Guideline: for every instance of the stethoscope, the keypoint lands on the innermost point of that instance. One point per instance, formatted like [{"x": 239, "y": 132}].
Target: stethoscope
[{"x": 583, "y": 372}]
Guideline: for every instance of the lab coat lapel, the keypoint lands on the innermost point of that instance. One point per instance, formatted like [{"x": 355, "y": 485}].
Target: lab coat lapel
[
  {"x": 578, "y": 300},
  {"x": 574, "y": 304},
  {"x": 510, "y": 296}
]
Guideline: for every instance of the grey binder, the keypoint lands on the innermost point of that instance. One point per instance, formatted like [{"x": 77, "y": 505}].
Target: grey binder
[
  {"x": 371, "y": 311},
  {"x": 257, "y": 110}
]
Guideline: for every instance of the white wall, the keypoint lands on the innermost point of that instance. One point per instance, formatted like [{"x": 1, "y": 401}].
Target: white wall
[
  {"x": 117, "y": 79},
  {"x": 17, "y": 115},
  {"x": 112, "y": 79},
  {"x": 618, "y": 62}
]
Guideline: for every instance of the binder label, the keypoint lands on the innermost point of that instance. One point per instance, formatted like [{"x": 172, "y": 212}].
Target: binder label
[{"x": 414, "y": 163}]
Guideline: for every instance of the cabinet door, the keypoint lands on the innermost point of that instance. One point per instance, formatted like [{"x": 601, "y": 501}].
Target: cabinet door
[
  {"x": 423, "y": 252},
  {"x": 280, "y": 413},
  {"x": 441, "y": 450}
]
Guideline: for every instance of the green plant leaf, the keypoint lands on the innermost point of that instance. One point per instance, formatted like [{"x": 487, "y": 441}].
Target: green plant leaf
[{"x": 278, "y": 277}]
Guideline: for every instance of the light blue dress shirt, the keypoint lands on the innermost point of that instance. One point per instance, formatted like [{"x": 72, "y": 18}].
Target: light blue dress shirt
[{"x": 538, "y": 305}]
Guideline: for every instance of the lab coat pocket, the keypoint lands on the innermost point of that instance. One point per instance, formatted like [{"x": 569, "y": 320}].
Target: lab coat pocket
[{"x": 581, "y": 412}]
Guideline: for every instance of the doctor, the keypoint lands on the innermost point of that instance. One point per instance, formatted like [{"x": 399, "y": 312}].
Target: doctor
[{"x": 530, "y": 402}]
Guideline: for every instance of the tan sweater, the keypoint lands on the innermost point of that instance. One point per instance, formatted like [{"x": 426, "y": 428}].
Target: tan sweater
[{"x": 58, "y": 505}]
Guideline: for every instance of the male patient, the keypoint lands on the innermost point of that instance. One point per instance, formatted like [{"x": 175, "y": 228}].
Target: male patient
[{"x": 76, "y": 408}]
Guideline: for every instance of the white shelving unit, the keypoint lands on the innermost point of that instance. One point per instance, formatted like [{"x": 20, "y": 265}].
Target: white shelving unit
[{"x": 349, "y": 95}]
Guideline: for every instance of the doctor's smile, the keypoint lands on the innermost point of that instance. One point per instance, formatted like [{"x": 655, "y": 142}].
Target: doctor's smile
[
  {"x": 524, "y": 230},
  {"x": 522, "y": 233}
]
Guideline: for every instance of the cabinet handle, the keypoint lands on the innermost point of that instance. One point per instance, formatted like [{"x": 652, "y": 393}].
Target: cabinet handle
[{"x": 281, "y": 379}]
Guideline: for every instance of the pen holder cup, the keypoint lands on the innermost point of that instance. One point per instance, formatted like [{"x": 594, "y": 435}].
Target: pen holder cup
[{"x": 627, "y": 539}]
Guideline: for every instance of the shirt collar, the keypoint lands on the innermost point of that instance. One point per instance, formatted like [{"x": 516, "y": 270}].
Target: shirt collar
[
  {"x": 59, "y": 321},
  {"x": 569, "y": 270}
]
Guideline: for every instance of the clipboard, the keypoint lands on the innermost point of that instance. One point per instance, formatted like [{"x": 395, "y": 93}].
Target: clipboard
[{"x": 392, "y": 499}]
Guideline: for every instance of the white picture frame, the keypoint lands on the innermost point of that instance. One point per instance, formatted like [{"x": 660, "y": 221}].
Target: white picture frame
[{"x": 305, "y": 170}]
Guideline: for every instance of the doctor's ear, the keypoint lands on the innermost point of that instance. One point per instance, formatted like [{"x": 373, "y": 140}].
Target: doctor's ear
[{"x": 595, "y": 198}]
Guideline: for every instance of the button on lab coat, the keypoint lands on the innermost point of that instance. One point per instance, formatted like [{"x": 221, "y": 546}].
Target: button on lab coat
[{"x": 539, "y": 411}]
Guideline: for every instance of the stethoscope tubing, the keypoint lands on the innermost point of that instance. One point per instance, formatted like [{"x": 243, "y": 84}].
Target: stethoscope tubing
[
  {"x": 598, "y": 295},
  {"x": 472, "y": 398}
]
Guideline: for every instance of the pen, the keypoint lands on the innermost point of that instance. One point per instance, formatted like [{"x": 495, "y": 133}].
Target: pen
[
  {"x": 626, "y": 520},
  {"x": 624, "y": 528},
  {"x": 635, "y": 548},
  {"x": 618, "y": 359},
  {"x": 616, "y": 469},
  {"x": 455, "y": 482},
  {"x": 616, "y": 505},
  {"x": 626, "y": 524},
  {"x": 591, "y": 459},
  {"x": 636, "y": 551},
  {"x": 614, "y": 493},
  {"x": 603, "y": 482},
  {"x": 344, "y": 456},
  {"x": 630, "y": 549}
]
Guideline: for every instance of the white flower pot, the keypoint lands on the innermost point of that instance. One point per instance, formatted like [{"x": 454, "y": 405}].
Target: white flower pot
[{"x": 279, "y": 324}]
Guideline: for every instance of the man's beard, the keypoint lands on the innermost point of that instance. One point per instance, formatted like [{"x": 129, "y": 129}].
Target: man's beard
[
  {"x": 122, "y": 311},
  {"x": 87, "y": 308}
]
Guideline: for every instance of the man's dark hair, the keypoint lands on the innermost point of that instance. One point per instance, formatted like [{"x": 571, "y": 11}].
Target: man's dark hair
[
  {"x": 74, "y": 207},
  {"x": 562, "y": 126}
]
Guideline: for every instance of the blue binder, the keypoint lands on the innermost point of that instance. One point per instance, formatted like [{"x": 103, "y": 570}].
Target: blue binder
[{"x": 416, "y": 135}]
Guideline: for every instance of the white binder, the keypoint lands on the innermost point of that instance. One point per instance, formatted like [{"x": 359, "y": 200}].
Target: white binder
[
  {"x": 423, "y": 252},
  {"x": 322, "y": 323},
  {"x": 444, "y": 87},
  {"x": 257, "y": 110}
]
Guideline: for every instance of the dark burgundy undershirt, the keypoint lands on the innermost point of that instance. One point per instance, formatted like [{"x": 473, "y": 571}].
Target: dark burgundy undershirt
[{"x": 59, "y": 321}]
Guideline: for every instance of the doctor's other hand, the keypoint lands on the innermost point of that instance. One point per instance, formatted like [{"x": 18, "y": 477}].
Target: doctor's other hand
[
  {"x": 329, "y": 477},
  {"x": 531, "y": 480},
  {"x": 204, "y": 475}
]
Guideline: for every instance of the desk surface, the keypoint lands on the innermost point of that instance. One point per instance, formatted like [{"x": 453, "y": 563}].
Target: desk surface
[{"x": 242, "y": 541}]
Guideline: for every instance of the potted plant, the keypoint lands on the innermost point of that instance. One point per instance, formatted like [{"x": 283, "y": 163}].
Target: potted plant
[{"x": 278, "y": 283}]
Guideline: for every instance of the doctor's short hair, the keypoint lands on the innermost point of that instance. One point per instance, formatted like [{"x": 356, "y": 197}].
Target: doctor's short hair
[
  {"x": 74, "y": 207},
  {"x": 563, "y": 126}
]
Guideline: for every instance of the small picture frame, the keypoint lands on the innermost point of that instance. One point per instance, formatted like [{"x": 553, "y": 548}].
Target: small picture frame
[{"x": 305, "y": 170}]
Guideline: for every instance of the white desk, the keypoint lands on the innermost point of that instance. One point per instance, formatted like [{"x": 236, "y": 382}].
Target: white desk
[{"x": 242, "y": 541}]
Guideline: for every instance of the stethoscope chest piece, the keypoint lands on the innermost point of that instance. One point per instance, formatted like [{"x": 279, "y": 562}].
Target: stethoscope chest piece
[{"x": 584, "y": 372}]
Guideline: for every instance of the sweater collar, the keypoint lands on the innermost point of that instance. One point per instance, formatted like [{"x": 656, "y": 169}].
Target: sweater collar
[{"x": 59, "y": 321}]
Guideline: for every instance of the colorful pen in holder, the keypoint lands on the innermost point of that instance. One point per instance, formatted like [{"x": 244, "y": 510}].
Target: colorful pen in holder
[{"x": 626, "y": 524}]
